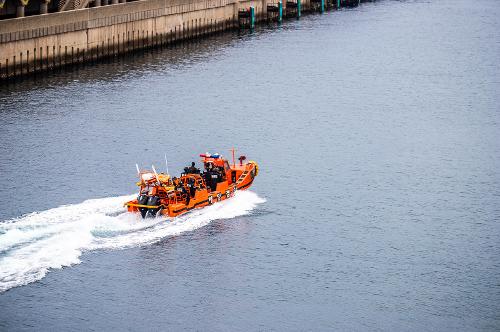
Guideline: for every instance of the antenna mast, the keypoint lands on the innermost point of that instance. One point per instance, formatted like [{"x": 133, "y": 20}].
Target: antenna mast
[
  {"x": 156, "y": 174},
  {"x": 234, "y": 162},
  {"x": 166, "y": 163}
]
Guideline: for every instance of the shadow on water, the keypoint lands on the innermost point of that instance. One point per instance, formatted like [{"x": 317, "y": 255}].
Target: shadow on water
[
  {"x": 135, "y": 64},
  {"x": 158, "y": 58},
  {"x": 129, "y": 64}
]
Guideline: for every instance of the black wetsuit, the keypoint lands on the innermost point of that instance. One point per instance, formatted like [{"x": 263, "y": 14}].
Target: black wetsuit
[
  {"x": 214, "y": 177},
  {"x": 208, "y": 179},
  {"x": 192, "y": 189},
  {"x": 184, "y": 191}
]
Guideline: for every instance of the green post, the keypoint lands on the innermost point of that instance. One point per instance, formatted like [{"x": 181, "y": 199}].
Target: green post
[
  {"x": 252, "y": 17},
  {"x": 322, "y": 6},
  {"x": 338, "y": 4},
  {"x": 280, "y": 11},
  {"x": 298, "y": 8}
]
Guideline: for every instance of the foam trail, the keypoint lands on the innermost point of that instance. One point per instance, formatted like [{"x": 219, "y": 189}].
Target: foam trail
[{"x": 33, "y": 244}]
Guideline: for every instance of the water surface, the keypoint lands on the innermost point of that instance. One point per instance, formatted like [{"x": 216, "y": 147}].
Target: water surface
[{"x": 376, "y": 208}]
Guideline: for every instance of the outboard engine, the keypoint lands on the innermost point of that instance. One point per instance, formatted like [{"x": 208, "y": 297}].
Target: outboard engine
[
  {"x": 143, "y": 200},
  {"x": 152, "y": 201}
]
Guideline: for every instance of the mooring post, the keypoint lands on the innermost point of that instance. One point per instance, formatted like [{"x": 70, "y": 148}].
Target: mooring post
[
  {"x": 252, "y": 17},
  {"x": 298, "y": 8},
  {"x": 20, "y": 9},
  {"x": 280, "y": 11},
  {"x": 44, "y": 5}
]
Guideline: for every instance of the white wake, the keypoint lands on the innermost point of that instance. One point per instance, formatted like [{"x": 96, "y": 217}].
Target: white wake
[{"x": 33, "y": 244}]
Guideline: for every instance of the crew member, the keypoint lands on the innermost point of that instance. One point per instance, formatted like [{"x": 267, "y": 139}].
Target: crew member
[
  {"x": 181, "y": 189},
  {"x": 214, "y": 179},
  {"x": 208, "y": 175},
  {"x": 188, "y": 197},
  {"x": 222, "y": 174},
  {"x": 192, "y": 169},
  {"x": 191, "y": 186}
]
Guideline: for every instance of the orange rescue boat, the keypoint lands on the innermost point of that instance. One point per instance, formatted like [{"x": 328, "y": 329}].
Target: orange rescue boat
[{"x": 161, "y": 194}]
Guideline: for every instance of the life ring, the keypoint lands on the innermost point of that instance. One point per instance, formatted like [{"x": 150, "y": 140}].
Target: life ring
[{"x": 256, "y": 167}]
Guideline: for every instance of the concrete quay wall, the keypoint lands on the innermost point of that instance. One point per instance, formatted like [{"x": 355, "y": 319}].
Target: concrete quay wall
[{"x": 42, "y": 42}]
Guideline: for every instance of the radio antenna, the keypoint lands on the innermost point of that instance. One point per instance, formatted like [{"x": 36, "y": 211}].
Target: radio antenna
[
  {"x": 156, "y": 174},
  {"x": 234, "y": 162},
  {"x": 166, "y": 163}
]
